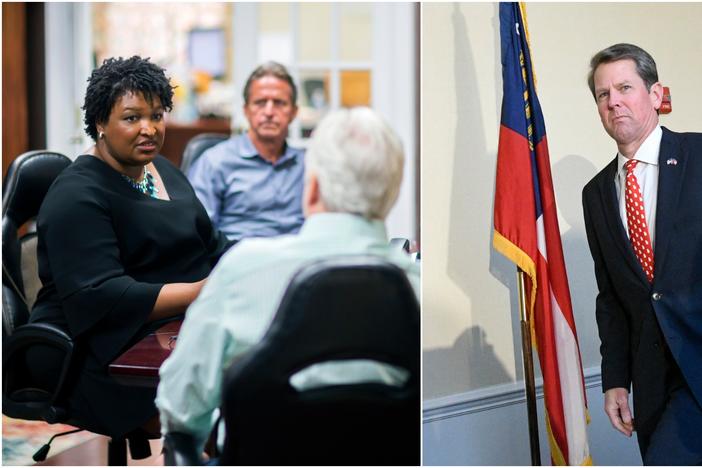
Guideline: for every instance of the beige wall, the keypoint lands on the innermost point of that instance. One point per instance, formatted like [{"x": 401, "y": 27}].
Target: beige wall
[{"x": 470, "y": 328}]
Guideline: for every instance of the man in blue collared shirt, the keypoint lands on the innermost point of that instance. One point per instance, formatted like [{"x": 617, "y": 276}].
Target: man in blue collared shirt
[{"x": 251, "y": 184}]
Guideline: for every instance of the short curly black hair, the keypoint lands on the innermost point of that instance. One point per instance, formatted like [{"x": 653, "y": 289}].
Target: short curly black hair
[{"x": 117, "y": 77}]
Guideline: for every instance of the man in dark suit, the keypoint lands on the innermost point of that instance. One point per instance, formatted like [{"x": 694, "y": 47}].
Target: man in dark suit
[{"x": 643, "y": 217}]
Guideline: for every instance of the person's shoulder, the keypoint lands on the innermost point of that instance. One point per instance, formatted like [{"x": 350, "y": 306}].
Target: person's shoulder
[
  {"x": 80, "y": 184},
  {"x": 162, "y": 161},
  {"x": 295, "y": 148},
  {"x": 255, "y": 254},
  {"x": 166, "y": 168},
  {"x": 223, "y": 150},
  {"x": 689, "y": 142},
  {"x": 410, "y": 267},
  {"x": 261, "y": 249},
  {"x": 298, "y": 151},
  {"x": 82, "y": 176},
  {"x": 695, "y": 137},
  {"x": 404, "y": 261},
  {"x": 216, "y": 159}
]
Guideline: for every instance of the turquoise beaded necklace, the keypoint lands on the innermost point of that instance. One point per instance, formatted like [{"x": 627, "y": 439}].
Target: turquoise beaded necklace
[{"x": 146, "y": 185}]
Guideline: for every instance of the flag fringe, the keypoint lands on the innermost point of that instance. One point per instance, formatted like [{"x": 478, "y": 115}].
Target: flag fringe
[
  {"x": 522, "y": 10},
  {"x": 527, "y": 265},
  {"x": 556, "y": 452}
]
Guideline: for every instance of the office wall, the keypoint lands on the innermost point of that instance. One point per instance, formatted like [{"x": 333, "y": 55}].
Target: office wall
[
  {"x": 491, "y": 429},
  {"x": 471, "y": 339}
]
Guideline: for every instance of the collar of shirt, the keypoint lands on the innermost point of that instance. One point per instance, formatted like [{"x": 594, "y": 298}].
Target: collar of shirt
[
  {"x": 248, "y": 150},
  {"x": 647, "y": 176},
  {"x": 647, "y": 153},
  {"x": 346, "y": 223}
]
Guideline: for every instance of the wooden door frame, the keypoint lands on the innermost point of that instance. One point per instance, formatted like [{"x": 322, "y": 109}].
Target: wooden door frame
[{"x": 15, "y": 109}]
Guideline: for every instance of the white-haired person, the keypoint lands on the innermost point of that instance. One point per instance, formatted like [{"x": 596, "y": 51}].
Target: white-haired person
[{"x": 352, "y": 178}]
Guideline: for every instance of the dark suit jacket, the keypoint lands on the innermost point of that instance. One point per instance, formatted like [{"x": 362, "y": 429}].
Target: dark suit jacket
[{"x": 636, "y": 319}]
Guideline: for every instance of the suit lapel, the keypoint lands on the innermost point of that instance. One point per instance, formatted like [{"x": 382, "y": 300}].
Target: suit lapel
[
  {"x": 670, "y": 179},
  {"x": 614, "y": 221}
]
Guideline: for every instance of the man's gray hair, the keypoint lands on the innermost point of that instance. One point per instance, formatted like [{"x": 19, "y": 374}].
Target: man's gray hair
[
  {"x": 270, "y": 69},
  {"x": 645, "y": 65},
  {"x": 358, "y": 160}
]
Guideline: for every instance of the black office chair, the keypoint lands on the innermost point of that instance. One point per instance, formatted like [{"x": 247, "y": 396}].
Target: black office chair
[
  {"x": 26, "y": 183},
  {"x": 24, "y": 394},
  {"x": 196, "y": 146},
  {"x": 337, "y": 309}
]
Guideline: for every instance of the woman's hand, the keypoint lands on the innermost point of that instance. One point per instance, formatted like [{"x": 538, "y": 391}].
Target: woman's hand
[{"x": 174, "y": 299}]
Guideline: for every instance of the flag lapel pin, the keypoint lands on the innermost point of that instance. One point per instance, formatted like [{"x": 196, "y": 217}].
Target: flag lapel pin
[{"x": 672, "y": 162}]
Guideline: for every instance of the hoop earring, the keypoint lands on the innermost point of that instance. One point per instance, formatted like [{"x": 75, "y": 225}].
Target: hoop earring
[{"x": 101, "y": 135}]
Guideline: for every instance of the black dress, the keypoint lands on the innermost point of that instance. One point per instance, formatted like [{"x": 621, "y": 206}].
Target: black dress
[{"x": 104, "y": 251}]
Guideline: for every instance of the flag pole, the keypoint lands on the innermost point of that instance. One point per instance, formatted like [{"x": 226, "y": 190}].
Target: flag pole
[{"x": 529, "y": 383}]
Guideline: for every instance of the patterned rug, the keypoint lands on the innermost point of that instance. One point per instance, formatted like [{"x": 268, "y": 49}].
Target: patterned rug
[{"x": 21, "y": 439}]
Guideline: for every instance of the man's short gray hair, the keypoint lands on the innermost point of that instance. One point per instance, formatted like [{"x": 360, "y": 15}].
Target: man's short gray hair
[
  {"x": 645, "y": 65},
  {"x": 358, "y": 160},
  {"x": 270, "y": 69}
]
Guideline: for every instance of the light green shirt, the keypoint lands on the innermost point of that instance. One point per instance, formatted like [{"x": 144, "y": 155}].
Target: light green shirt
[{"x": 237, "y": 304}]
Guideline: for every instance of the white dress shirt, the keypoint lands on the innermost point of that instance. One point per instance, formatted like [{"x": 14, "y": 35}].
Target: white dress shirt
[{"x": 646, "y": 173}]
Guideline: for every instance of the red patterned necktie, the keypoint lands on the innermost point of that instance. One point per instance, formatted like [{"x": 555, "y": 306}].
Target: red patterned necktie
[{"x": 636, "y": 221}]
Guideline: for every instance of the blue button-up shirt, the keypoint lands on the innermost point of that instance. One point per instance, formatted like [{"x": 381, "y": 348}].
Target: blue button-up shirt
[{"x": 247, "y": 196}]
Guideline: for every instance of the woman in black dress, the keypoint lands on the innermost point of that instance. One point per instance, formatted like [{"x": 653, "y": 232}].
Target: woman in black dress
[{"x": 122, "y": 241}]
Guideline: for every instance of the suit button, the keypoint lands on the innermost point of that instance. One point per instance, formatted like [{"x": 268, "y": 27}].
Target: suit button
[
  {"x": 656, "y": 296},
  {"x": 656, "y": 345}
]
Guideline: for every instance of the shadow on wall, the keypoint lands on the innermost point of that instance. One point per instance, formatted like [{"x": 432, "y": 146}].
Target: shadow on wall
[
  {"x": 472, "y": 352},
  {"x": 570, "y": 174},
  {"x": 472, "y": 189}
]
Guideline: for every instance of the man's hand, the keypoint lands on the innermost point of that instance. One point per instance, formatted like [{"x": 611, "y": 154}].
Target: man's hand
[{"x": 616, "y": 402}]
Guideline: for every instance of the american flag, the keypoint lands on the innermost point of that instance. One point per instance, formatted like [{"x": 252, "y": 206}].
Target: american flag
[{"x": 526, "y": 232}]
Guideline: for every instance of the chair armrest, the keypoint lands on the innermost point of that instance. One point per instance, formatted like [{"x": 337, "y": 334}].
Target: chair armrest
[
  {"x": 400, "y": 243},
  {"x": 181, "y": 449},
  {"x": 31, "y": 333},
  {"x": 14, "y": 364}
]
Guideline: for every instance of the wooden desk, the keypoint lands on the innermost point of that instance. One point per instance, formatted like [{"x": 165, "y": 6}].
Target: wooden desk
[{"x": 139, "y": 364}]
